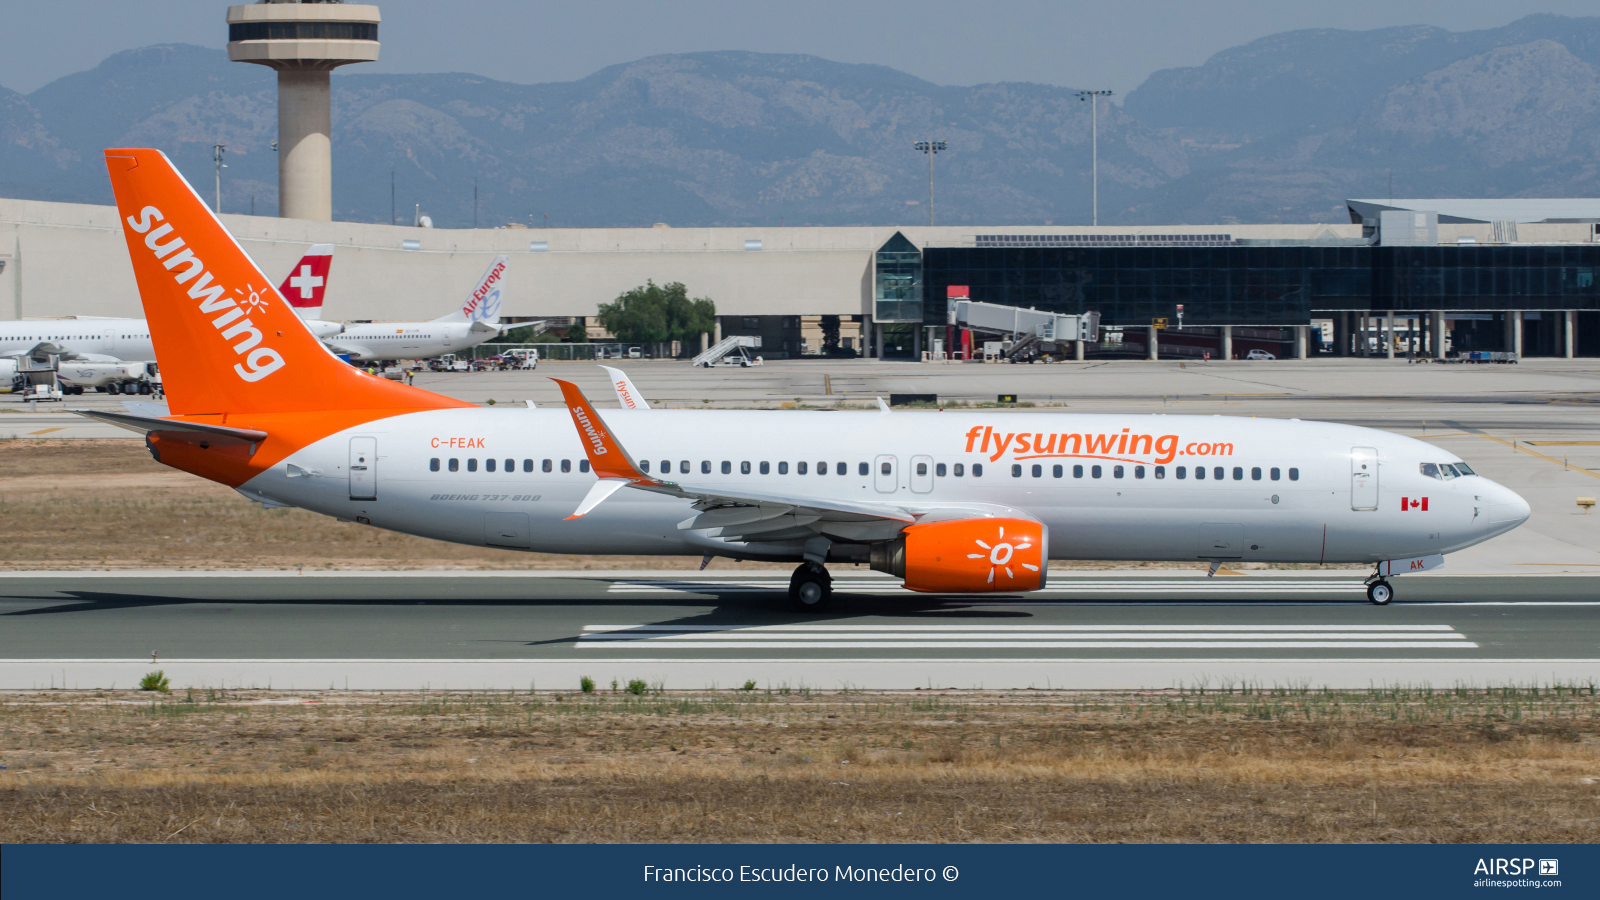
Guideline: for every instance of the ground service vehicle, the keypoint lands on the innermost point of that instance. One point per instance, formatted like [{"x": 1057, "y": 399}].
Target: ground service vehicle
[{"x": 952, "y": 502}]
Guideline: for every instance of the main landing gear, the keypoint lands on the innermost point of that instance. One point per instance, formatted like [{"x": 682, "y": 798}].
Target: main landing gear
[
  {"x": 1379, "y": 592},
  {"x": 810, "y": 588}
]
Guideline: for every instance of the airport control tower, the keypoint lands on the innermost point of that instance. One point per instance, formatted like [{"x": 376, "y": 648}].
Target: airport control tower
[{"x": 304, "y": 42}]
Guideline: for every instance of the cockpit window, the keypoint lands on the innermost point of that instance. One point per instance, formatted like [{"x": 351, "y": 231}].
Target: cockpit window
[
  {"x": 1445, "y": 471},
  {"x": 1464, "y": 469},
  {"x": 1431, "y": 470},
  {"x": 1448, "y": 471}
]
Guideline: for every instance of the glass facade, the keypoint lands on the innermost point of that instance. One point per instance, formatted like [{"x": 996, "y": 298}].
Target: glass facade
[
  {"x": 897, "y": 282},
  {"x": 1259, "y": 285},
  {"x": 303, "y": 31}
]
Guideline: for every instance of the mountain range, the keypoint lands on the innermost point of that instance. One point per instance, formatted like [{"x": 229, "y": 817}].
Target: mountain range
[{"x": 1282, "y": 129}]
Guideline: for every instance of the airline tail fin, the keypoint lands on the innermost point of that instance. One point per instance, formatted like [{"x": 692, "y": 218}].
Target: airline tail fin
[
  {"x": 308, "y": 280},
  {"x": 225, "y": 339},
  {"x": 483, "y": 304},
  {"x": 627, "y": 394}
]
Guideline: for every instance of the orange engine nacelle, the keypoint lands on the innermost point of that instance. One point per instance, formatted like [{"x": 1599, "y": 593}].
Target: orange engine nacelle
[{"x": 968, "y": 556}]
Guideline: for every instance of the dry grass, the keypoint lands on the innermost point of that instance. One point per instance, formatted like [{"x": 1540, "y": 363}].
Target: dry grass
[{"x": 763, "y": 766}]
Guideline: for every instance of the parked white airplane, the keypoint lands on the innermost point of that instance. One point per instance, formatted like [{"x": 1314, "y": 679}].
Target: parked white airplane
[
  {"x": 476, "y": 321},
  {"x": 91, "y": 340},
  {"x": 951, "y": 502}
]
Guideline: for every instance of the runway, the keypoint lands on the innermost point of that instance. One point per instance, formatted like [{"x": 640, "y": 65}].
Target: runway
[{"x": 392, "y": 631}]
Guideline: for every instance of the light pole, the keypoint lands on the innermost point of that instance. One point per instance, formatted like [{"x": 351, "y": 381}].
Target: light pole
[
  {"x": 1094, "y": 146},
  {"x": 931, "y": 148},
  {"x": 216, "y": 154}
]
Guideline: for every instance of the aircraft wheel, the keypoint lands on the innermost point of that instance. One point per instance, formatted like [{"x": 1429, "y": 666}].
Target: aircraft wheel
[
  {"x": 810, "y": 588},
  {"x": 1380, "y": 593}
]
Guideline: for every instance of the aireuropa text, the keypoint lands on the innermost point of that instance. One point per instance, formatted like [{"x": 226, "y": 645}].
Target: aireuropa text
[{"x": 794, "y": 873}]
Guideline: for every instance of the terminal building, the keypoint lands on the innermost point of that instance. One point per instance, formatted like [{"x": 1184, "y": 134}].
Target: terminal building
[{"x": 1425, "y": 276}]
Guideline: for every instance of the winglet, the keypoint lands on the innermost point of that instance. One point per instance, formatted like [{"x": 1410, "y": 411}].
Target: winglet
[
  {"x": 882, "y": 406},
  {"x": 627, "y": 394},
  {"x": 606, "y": 456}
]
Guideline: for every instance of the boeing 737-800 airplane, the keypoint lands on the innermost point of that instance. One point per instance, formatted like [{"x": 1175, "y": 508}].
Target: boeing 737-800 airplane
[
  {"x": 950, "y": 501},
  {"x": 476, "y": 321}
]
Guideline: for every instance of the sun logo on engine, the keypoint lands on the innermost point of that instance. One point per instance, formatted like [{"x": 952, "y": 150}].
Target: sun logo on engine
[
  {"x": 253, "y": 301},
  {"x": 999, "y": 555}
]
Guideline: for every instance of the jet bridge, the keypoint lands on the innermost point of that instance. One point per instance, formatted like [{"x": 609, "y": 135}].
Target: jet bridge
[{"x": 1033, "y": 334}]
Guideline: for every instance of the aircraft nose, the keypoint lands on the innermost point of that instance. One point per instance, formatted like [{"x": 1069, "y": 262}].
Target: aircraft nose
[{"x": 1507, "y": 509}]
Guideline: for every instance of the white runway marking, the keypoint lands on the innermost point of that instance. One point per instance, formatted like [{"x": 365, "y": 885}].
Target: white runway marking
[{"x": 1033, "y": 637}]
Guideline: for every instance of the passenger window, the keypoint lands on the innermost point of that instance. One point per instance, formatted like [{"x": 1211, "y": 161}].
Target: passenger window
[
  {"x": 488, "y": 465},
  {"x": 744, "y": 467},
  {"x": 863, "y": 469},
  {"x": 1016, "y": 471},
  {"x": 1094, "y": 471},
  {"x": 511, "y": 465},
  {"x": 644, "y": 465},
  {"x": 1294, "y": 474},
  {"x": 959, "y": 470},
  {"x": 727, "y": 467},
  {"x": 1055, "y": 471},
  {"x": 766, "y": 468},
  {"x": 1077, "y": 471},
  {"x": 1255, "y": 473},
  {"x": 800, "y": 468},
  {"x": 1199, "y": 473},
  {"x": 1138, "y": 471},
  {"x": 683, "y": 467},
  {"x": 1276, "y": 473},
  {"x": 1038, "y": 470},
  {"x": 1161, "y": 471},
  {"x": 841, "y": 469},
  {"x": 822, "y": 468},
  {"x": 1219, "y": 473},
  {"x": 1238, "y": 473},
  {"x": 938, "y": 470},
  {"x": 583, "y": 465},
  {"x": 977, "y": 470},
  {"x": 886, "y": 469},
  {"x": 566, "y": 465},
  {"x": 527, "y": 465},
  {"x": 922, "y": 468},
  {"x": 433, "y": 464},
  {"x": 544, "y": 466},
  {"x": 705, "y": 467},
  {"x": 472, "y": 464},
  {"x": 783, "y": 468},
  {"x": 1116, "y": 471}
]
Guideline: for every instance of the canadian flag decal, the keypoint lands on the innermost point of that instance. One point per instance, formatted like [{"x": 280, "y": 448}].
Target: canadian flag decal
[{"x": 1413, "y": 503}]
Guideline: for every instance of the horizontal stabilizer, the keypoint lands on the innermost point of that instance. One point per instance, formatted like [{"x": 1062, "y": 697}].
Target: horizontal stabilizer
[{"x": 178, "y": 430}]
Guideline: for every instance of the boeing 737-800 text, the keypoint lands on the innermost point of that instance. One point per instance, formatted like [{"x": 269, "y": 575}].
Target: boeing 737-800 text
[{"x": 949, "y": 501}]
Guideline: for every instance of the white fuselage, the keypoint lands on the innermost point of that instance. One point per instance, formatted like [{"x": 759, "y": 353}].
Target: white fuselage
[
  {"x": 408, "y": 340},
  {"x": 1286, "y": 491},
  {"x": 107, "y": 339}
]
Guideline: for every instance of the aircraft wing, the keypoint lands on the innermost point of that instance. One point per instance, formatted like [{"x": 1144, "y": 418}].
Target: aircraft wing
[
  {"x": 734, "y": 512},
  {"x": 627, "y": 394}
]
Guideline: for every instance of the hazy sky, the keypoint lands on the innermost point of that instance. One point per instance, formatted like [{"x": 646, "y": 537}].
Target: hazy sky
[{"x": 1103, "y": 44}]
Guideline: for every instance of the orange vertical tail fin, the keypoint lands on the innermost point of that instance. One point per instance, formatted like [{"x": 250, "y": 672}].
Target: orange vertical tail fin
[{"x": 226, "y": 341}]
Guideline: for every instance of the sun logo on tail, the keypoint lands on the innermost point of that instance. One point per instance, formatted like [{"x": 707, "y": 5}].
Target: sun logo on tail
[
  {"x": 253, "y": 300},
  {"x": 999, "y": 555}
]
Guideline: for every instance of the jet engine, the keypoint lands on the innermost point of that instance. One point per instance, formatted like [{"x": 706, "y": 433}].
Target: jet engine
[{"x": 967, "y": 556}]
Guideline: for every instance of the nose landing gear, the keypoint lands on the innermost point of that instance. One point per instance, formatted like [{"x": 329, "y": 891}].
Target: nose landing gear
[
  {"x": 1379, "y": 592},
  {"x": 810, "y": 588}
]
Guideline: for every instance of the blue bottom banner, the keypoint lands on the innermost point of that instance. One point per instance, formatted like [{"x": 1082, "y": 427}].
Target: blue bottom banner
[{"x": 433, "y": 871}]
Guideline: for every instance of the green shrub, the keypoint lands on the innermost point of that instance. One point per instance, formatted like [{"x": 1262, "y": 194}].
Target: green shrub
[
  {"x": 637, "y": 687},
  {"x": 586, "y": 684},
  {"x": 749, "y": 685},
  {"x": 155, "y": 681}
]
